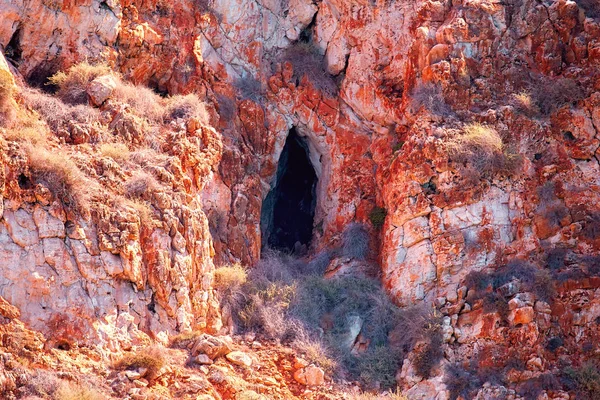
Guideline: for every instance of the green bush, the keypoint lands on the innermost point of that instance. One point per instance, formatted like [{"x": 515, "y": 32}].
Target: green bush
[{"x": 377, "y": 217}]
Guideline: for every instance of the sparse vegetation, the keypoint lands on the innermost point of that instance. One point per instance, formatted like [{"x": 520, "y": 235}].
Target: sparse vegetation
[
  {"x": 591, "y": 8},
  {"x": 282, "y": 300},
  {"x": 185, "y": 107},
  {"x": 390, "y": 395},
  {"x": 7, "y": 103},
  {"x": 230, "y": 277},
  {"x": 460, "y": 382},
  {"x": 33, "y": 135},
  {"x": 524, "y": 103}
]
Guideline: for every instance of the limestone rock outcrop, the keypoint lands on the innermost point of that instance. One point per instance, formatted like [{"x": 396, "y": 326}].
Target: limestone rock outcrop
[{"x": 474, "y": 124}]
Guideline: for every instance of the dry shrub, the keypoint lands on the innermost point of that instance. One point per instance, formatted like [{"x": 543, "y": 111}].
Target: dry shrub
[
  {"x": 249, "y": 88},
  {"x": 61, "y": 176},
  {"x": 72, "y": 391},
  {"x": 355, "y": 241},
  {"x": 183, "y": 340},
  {"x": 480, "y": 151},
  {"x": 230, "y": 277},
  {"x": 525, "y": 103},
  {"x": 40, "y": 383},
  {"x": 142, "y": 100},
  {"x": 586, "y": 380},
  {"x": 307, "y": 61},
  {"x": 429, "y": 356},
  {"x": 552, "y": 94},
  {"x": 314, "y": 350},
  {"x": 431, "y": 97},
  {"x": 185, "y": 107},
  {"x": 63, "y": 118},
  {"x": 150, "y": 359},
  {"x": 116, "y": 151},
  {"x": 460, "y": 382},
  {"x": 141, "y": 186},
  {"x": 7, "y": 86},
  {"x": 377, "y": 217},
  {"x": 73, "y": 84}
]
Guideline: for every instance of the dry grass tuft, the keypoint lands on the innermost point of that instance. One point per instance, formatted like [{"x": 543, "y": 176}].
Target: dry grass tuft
[
  {"x": 477, "y": 138},
  {"x": 144, "y": 211},
  {"x": 525, "y": 103},
  {"x": 149, "y": 360},
  {"x": 142, "y": 100},
  {"x": 7, "y": 103},
  {"x": 72, "y": 391},
  {"x": 390, "y": 395},
  {"x": 141, "y": 186},
  {"x": 61, "y": 176},
  {"x": 183, "y": 340},
  {"x": 229, "y": 277},
  {"x": 72, "y": 84},
  {"x": 185, "y": 107},
  {"x": 480, "y": 152},
  {"x": 26, "y": 134},
  {"x": 116, "y": 151}
]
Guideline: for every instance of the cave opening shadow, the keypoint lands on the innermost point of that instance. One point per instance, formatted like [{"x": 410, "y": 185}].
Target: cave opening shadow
[{"x": 288, "y": 210}]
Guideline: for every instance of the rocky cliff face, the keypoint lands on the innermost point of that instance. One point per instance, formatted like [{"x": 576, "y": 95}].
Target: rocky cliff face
[{"x": 474, "y": 125}]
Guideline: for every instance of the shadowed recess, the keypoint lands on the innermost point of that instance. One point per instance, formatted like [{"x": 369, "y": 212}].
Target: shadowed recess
[{"x": 289, "y": 209}]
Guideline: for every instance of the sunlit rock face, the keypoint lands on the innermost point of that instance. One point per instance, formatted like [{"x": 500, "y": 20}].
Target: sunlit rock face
[{"x": 378, "y": 91}]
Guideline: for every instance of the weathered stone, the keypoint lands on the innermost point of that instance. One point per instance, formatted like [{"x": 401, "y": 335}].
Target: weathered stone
[
  {"x": 310, "y": 376},
  {"x": 239, "y": 358}
]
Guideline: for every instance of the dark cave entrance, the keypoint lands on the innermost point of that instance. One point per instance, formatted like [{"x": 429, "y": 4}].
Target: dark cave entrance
[{"x": 288, "y": 210}]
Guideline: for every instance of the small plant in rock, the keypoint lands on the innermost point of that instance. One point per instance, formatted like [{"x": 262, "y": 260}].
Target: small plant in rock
[
  {"x": 355, "y": 241},
  {"x": 377, "y": 217},
  {"x": 73, "y": 84}
]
